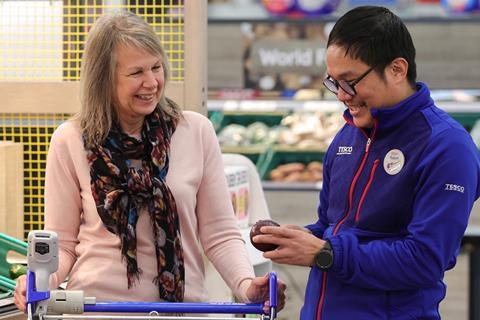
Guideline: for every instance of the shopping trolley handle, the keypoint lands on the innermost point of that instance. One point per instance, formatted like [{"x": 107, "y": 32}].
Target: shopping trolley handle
[
  {"x": 43, "y": 261},
  {"x": 192, "y": 307},
  {"x": 47, "y": 303}
]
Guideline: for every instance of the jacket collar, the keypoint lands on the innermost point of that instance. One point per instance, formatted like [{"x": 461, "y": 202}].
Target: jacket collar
[{"x": 389, "y": 117}]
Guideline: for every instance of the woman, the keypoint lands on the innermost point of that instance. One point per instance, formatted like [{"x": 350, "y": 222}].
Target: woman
[{"x": 135, "y": 188}]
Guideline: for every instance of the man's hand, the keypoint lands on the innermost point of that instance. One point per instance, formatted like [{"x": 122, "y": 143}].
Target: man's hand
[{"x": 296, "y": 245}]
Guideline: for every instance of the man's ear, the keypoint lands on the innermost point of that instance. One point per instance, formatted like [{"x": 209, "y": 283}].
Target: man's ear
[{"x": 398, "y": 69}]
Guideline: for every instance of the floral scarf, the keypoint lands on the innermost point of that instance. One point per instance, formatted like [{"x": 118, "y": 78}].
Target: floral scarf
[{"x": 121, "y": 191}]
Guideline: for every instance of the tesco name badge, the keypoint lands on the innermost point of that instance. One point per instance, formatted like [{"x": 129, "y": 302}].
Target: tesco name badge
[{"x": 393, "y": 162}]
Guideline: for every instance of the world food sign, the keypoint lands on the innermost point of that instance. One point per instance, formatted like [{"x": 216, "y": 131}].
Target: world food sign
[{"x": 299, "y": 56}]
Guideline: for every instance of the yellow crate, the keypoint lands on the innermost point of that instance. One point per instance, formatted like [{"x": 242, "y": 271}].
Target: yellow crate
[{"x": 42, "y": 40}]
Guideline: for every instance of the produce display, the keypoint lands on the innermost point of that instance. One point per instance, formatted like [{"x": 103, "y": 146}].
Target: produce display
[
  {"x": 16, "y": 270},
  {"x": 298, "y": 172},
  {"x": 291, "y": 150},
  {"x": 237, "y": 135},
  {"x": 303, "y": 130},
  {"x": 310, "y": 130}
]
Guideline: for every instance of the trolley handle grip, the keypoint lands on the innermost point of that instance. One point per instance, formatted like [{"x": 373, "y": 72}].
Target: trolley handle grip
[
  {"x": 192, "y": 307},
  {"x": 273, "y": 294}
]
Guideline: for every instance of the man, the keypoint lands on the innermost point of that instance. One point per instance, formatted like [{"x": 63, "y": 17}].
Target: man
[{"x": 400, "y": 180}]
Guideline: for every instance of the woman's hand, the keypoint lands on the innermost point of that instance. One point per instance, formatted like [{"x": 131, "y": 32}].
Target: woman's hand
[
  {"x": 19, "y": 296},
  {"x": 259, "y": 290}
]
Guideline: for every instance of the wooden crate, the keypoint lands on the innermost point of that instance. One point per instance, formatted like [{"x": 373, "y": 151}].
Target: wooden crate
[{"x": 11, "y": 189}]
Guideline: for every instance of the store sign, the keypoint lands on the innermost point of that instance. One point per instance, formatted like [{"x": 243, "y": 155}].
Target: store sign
[{"x": 279, "y": 56}]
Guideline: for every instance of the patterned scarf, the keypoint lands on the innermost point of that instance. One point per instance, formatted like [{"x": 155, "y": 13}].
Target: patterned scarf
[{"x": 121, "y": 191}]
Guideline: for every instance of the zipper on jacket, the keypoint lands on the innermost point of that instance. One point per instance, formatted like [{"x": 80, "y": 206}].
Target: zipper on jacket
[
  {"x": 352, "y": 187},
  {"x": 344, "y": 218},
  {"x": 350, "y": 207},
  {"x": 322, "y": 296},
  {"x": 364, "y": 194}
]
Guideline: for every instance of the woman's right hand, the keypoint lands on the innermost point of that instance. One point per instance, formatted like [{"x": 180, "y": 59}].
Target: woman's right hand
[{"x": 20, "y": 294}]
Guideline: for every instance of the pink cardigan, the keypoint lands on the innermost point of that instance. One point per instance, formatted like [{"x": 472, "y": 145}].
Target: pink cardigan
[{"x": 90, "y": 254}]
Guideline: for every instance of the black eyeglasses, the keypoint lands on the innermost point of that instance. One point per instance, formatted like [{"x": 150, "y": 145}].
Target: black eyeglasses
[{"x": 347, "y": 86}]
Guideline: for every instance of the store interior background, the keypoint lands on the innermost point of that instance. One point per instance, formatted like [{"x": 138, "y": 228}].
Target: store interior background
[
  {"x": 448, "y": 60},
  {"x": 291, "y": 118}
]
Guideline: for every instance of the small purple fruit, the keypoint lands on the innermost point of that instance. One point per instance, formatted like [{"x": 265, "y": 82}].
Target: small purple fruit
[{"x": 255, "y": 230}]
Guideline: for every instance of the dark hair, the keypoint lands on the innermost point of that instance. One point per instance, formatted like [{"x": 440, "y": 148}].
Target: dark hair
[{"x": 376, "y": 36}]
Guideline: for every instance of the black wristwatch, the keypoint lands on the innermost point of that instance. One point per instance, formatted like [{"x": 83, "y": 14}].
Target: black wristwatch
[{"x": 324, "y": 258}]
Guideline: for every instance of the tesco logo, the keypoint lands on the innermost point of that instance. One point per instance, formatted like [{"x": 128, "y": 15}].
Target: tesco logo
[
  {"x": 344, "y": 150},
  {"x": 454, "y": 187}
]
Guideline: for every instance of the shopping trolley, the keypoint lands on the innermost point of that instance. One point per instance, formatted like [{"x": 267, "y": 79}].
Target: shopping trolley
[{"x": 43, "y": 304}]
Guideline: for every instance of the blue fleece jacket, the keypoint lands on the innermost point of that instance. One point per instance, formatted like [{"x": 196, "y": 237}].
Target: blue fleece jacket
[{"x": 394, "y": 204}]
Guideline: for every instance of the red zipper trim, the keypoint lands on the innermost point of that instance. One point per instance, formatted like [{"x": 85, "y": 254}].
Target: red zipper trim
[
  {"x": 352, "y": 187},
  {"x": 322, "y": 296},
  {"x": 350, "y": 204},
  {"x": 350, "y": 201},
  {"x": 364, "y": 194}
]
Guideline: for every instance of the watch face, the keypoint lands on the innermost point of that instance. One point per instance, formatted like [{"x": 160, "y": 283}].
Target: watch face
[{"x": 324, "y": 259}]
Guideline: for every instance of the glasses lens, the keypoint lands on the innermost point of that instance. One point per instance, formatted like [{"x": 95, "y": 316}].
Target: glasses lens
[
  {"x": 347, "y": 87},
  {"x": 330, "y": 85}
]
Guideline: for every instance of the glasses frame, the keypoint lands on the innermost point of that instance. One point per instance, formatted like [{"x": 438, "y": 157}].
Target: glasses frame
[{"x": 348, "y": 86}]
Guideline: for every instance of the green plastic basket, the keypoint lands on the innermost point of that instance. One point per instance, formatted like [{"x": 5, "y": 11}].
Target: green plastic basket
[
  {"x": 466, "y": 119},
  {"x": 8, "y": 244},
  {"x": 221, "y": 119},
  {"x": 7, "y": 284}
]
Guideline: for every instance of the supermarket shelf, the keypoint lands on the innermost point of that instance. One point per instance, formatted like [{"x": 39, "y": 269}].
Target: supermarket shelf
[
  {"x": 259, "y": 106},
  {"x": 463, "y": 107},
  {"x": 253, "y": 11},
  {"x": 304, "y": 20},
  {"x": 221, "y": 119},
  {"x": 291, "y": 186},
  {"x": 294, "y": 149},
  {"x": 253, "y": 153},
  {"x": 244, "y": 150}
]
